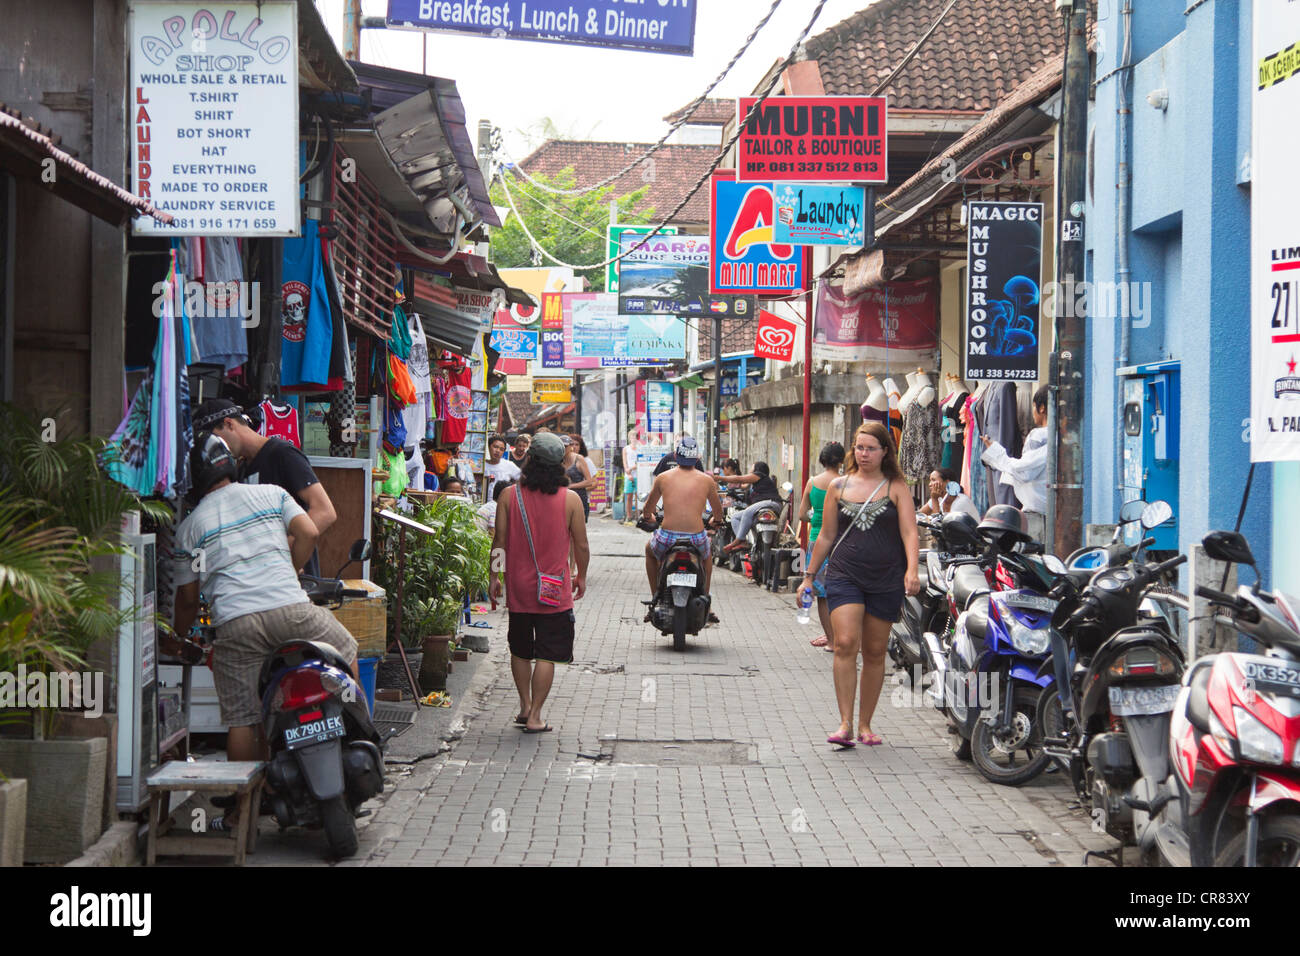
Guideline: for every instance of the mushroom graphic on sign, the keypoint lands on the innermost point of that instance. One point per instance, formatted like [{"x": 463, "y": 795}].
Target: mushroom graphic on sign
[{"x": 775, "y": 337}]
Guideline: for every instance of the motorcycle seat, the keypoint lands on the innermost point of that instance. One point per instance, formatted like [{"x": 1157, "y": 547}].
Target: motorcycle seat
[
  {"x": 1198, "y": 701},
  {"x": 968, "y": 580},
  {"x": 977, "y": 617}
]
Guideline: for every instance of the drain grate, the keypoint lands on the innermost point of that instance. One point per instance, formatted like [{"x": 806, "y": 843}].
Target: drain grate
[
  {"x": 393, "y": 717},
  {"x": 680, "y": 753}
]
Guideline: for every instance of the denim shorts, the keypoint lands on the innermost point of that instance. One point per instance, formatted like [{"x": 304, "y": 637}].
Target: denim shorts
[
  {"x": 886, "y": 605},
  {"x": 662, "y": 540}
]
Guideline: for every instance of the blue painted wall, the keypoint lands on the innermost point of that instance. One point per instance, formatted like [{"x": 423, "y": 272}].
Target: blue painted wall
[{"x": 1189, "y": 238}]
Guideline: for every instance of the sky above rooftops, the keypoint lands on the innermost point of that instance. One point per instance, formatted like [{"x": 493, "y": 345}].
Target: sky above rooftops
[{"x": 590, "y": 93}]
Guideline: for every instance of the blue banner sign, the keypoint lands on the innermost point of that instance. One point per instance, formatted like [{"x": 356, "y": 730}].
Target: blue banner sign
[
  {"x": 810, "y": 215},
  {"x": 515, "y": 343},
  {"x": 659, "y": 26}
]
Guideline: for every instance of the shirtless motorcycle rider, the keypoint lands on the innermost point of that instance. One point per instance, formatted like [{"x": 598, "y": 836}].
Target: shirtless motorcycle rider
[{"x": 684, "y": 491}]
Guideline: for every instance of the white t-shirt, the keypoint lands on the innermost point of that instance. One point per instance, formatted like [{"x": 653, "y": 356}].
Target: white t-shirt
[
  {"x": 487, "y": 516},
  {"x": 504, "y": 470}
]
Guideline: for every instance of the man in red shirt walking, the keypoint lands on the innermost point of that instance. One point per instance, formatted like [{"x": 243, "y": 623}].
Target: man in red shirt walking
[{"x": 538, "y": 521}]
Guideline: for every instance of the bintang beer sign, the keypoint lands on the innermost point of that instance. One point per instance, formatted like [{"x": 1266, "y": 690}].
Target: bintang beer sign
[{"x": 817, "y": 139}]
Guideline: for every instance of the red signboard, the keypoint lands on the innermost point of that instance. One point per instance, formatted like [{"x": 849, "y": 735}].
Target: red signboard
[
  {"x": 775, "y": 337},
  {"x": 813, "y": 139}
]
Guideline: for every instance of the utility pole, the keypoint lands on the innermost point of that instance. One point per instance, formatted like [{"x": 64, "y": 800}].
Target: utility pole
[
  {"x": 717, "y": 389},
  {"x": 1071, "y": 329},
  {"x": 352, "y": 30}
]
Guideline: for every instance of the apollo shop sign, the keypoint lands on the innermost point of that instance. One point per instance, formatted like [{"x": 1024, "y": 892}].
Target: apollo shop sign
[
  {"x": 819, "y": 139},
  {"x": 775, "y": 337},
  {"x": 659, "y": 26},
  {"x": 745, "y": 257}
]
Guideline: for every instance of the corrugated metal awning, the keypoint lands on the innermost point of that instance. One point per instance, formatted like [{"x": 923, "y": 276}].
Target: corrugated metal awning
[{"x": 451, "y": 329}]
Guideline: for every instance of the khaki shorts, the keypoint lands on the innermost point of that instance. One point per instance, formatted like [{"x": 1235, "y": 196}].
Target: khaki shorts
[{"x": 242, "y": 645}]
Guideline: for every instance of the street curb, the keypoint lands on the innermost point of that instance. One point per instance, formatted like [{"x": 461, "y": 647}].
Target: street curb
[{"x": 118, "y": 846}]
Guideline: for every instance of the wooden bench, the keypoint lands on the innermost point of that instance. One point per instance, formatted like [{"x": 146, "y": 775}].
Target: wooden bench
[{"x": 243, "y": 780}]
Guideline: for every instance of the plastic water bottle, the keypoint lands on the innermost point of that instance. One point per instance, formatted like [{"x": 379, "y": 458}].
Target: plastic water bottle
[{"x": 805, "y": 602}]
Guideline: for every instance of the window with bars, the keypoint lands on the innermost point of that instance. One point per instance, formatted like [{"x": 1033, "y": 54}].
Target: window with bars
[{"x": 363, "y": 251}]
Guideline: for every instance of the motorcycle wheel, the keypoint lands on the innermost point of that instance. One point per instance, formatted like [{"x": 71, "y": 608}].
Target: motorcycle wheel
[
  {"x": 340, "y": 827},
  {"x": 996, "y": 758},
  {"x": 959, "y": 744},
  {"x": 1279, "y": 844},
  {"x": 679, "y": 629}
]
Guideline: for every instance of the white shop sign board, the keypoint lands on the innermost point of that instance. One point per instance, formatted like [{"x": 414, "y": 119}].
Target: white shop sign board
[
  {"x": 1275, "y": 233},
  {"x": 213, "y": 108}
]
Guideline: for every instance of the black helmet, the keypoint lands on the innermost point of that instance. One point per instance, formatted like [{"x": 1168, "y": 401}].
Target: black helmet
[
  {"x": 1007, "y": 524},
  {"x": 960, "y": 532},
  {"x": 210, "y": 461}
]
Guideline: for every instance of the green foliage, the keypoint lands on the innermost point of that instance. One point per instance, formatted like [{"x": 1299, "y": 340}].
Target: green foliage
[
  {"x": 59, "y": 517},
  {"x": 440, "y": 568},
  {"x": 511, "y": 248}
]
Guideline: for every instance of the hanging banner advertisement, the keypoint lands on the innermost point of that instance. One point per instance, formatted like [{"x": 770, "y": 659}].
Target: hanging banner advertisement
[
  {"x": 896, "y": 324},
  {"x": 775, "y": 337},
  {"x": 746, "y": 258},
  {"x": 663, "y": 274},
  {"x": 1275, "y": 235},
  {"x": 818, "y": 139},
  {"x": 552, "y": 391},
  {"x": 654, "y": 336},
  {"x": 214, "y": 117},
  {"x": 613, "y": 233},
  {"x": 647, "y": 458},
  {"x": 659, "y": 27},
  {"x": 660, "y": 406},
  {"x": 807, "y": 215},
  {"x": 536, "y": 282},
  {"x": 478, "y": 305},
  {"x": 1004, "y": 263},
  {"x": 552, "y": 331},
  {"x": 515, "y": 343},
  {"x": 597, "y": 336}
]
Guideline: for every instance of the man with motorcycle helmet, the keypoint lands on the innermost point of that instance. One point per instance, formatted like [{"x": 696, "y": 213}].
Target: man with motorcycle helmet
[
  {"x": 684, "y": 490},
  {"x": 234, "y": 548}
]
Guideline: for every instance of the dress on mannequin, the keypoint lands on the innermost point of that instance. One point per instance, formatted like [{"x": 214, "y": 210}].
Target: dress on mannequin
[{"x": 876, "y": 407}]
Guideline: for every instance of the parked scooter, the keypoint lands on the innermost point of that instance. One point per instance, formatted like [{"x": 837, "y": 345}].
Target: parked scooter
[
  {"x": 1233, "y": 798},
  {"x": 326, "y": 757},
  {"x": 1117, "y": 673},
  {"x": 733, "y": 503},
  {"x": 680, "y": 605}
]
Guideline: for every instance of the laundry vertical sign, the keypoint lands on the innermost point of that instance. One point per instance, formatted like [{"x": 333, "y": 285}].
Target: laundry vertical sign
[{"x": 1004, "y": 264}]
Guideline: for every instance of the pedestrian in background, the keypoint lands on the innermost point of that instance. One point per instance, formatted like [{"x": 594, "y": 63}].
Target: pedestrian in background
[
  {"x": 537, "y": 524},
  {"x": 810, "y": 510},
  {"x": 869, "y": 542}
]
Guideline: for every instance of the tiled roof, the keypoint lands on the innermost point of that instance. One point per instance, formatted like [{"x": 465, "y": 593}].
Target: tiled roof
[
  {"x": 670, "y": 173},
  {"x": 712, "y": 112},
  {"x": 519, "y": 408},
  {"x": 980, "y": 52},
  {"x": 737, "y": 336}
]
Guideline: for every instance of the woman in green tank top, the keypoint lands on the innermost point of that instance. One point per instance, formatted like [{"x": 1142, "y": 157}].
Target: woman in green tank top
[{"x": 810, "y": 511}]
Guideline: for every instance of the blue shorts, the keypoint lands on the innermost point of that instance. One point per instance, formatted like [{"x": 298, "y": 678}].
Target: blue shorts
[
  {"x": 819, "y": 578},
  {"x": 886, "y": 605},
  {"x": 663, "y": 540}
]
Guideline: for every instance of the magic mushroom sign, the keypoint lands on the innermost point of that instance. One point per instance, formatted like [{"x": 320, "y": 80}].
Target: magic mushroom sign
[{"x": 1004, "y": 262}]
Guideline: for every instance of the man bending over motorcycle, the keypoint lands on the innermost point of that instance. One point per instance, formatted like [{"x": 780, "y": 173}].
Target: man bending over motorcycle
[
  {"x": 684, "y": 491},
  {"x": 235, "y": 548}
]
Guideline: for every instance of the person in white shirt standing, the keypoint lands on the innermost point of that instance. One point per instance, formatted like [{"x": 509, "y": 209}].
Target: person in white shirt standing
[
  {"x": 1027, "y": 475},
  {"x": 498, "y": 467}
]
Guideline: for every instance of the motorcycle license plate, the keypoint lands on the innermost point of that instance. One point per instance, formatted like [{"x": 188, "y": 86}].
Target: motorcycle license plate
[
  {"x": 765, "y": 527},
  {"x": 1031, "y": 602},
  {"x": 681, "y": 580},
  {"x": 1139, "y": 701},
  {"x": 1273, "y": 678},
  {"x": 315, "y": 732}
]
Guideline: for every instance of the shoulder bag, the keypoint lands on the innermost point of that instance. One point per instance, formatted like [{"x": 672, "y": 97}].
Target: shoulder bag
[{"x": 550, "y": 589}]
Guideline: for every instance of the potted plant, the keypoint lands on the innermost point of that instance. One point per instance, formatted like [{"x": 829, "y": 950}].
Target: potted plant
[
  {"x": 444, "y": 617},
  {"x": 60, "y": 608}
]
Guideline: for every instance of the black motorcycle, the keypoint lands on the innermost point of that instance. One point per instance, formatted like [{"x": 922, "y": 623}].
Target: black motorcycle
[{"x": 680, "y": 605}]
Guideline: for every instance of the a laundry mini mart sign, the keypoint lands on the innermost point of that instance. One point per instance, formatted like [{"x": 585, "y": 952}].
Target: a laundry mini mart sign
[
  {"x": 214, "y": 116},
  {"x": 819, "y": 139}
]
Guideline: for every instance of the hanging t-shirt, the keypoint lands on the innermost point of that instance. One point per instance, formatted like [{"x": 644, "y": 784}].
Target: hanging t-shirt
[
  {"x": 418, "y": 363},
  {"x": 280, "y": 421},
  {"x": 308, "y": 331},
  {"x": 459, "y": 400}
]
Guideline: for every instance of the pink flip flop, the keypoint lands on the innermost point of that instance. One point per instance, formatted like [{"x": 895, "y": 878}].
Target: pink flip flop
[
  {"x": 870, "y": 740},
  {"x": 819, "y": 641},
  {"x": 840, "y": 741}
]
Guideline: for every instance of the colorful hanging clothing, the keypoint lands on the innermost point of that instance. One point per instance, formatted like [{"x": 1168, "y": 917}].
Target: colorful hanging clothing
[
  {"x": 954, "y": 433},
  {"x": 280, "y": 421},
  {"x": 308, "y": 327},
  {"x": 459, "y": 400},
  {"x": 918, "y": 453}
]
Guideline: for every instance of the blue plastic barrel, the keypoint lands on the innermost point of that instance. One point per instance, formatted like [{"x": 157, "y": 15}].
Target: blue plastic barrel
[{"x": 366, "y": 667}]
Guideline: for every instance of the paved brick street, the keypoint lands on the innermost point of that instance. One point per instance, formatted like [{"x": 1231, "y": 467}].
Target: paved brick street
[{"x": 714, "y": 756}]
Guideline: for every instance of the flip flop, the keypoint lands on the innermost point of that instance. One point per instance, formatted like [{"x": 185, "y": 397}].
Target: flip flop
[
  {"x": 540, "y": 730},
  {"x": 819, "y": 641},
  {"x": 840, "y": 741},
  {"x": 479, "y": 624},
  {"x": 219, "y": 825},
  {"x": 521, "y": 721},
  {"x": 870, "y": 740}
]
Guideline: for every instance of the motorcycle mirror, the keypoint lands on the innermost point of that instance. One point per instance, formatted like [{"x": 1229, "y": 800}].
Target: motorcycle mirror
[
  {"x": 1053, "y": 564},
  {"x": 360, "y": 550},
  {"x": 1131, "y": 511},
  {"x": 1156, "y": 513},
  {"x": 787, "y": 487},
  {"x": 1228, "y": 546},
  {"x": 954, "y": 488}
]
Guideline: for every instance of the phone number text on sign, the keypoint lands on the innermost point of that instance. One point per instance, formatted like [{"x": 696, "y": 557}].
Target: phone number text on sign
[{"x": 813, "y": 139}]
